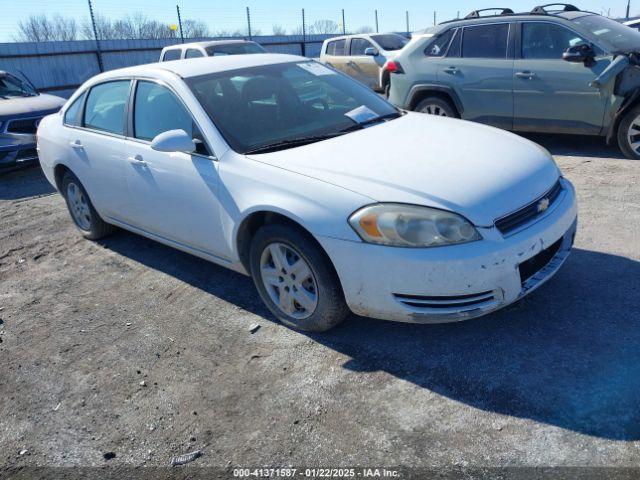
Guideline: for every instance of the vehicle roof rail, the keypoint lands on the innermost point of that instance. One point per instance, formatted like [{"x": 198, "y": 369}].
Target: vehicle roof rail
[
  {"x": 567, "y": 7},
  {"x": 476, "y": 13}
]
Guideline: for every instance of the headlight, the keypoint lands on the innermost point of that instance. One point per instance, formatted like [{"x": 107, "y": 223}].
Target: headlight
[{"x": 402, "y": 225}]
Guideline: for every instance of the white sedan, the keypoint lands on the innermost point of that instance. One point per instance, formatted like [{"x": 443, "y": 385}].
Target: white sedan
[{"x": 328, "y": 196}]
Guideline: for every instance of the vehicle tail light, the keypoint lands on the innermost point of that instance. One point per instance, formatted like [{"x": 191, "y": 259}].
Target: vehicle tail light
[{"x": 394, "y": 67}]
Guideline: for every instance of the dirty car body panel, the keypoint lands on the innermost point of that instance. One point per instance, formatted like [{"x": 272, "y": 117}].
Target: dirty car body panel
[{"x": 506, "y": 189}]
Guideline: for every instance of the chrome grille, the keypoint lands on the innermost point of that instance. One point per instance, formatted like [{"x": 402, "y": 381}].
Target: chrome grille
[{"x": 530, "y": 212}]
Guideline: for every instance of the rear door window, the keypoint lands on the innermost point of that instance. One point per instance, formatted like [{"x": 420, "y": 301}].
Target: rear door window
[
  {"x": 72, "y": 115},
  {"x": 485, "y": 41},
  {"x": 336, "y": 48},
  {"x": 106, "y": 106},
  {"x": 173, "y": 54},
  {"x": 193, "y": 53}
]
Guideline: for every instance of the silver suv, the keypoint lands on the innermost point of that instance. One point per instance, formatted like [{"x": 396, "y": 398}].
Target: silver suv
[{"x": 557, "y": 71}]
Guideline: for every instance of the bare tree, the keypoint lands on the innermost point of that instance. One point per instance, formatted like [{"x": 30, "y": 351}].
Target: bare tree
[
  {"x": 40, "y": 28},
  {"x": 137, "y": 26},
  {"x": 104, "y": 28},
  {"x": 279, "y": 30},
  {"x": 323, "y": 27},
  {"x": 364, "y": 29},
  {"x": 195, "y": 29}
]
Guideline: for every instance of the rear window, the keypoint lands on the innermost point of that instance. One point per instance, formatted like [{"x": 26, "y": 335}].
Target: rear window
[
  {"x": 171, "y": 55},
  {"x": 234, "y": 49},
  {"x": 72, "y": 115},
  {"x": 390, "y": 42},
  {"x": 485, "y": 41},
  {"x": 336, "y": 48}
]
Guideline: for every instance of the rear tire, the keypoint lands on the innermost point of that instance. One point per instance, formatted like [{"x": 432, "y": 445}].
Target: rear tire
[
  {"x": 81, "y": 209},
  {"x": 436, "y": 106},
  {"x": 629, "y": 134},
  {"x": 313, "y": 301}
]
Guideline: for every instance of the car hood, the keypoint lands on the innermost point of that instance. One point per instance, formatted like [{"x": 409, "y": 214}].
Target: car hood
[
  {"x": 28, "y": 106},
  {"x": 478, "y": 171}
]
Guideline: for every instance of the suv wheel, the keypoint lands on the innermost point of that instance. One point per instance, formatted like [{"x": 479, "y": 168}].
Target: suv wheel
[
  {"x": 629, "y": 134},
  {"x": 296, "y": 280},
  {"x": 81, "y": 209},
  {"x": 436, "y": 106}
]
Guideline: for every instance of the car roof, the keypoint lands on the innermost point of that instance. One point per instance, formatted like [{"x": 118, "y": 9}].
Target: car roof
[
  {"x": 359, "y": 35},
  {"x": 571, "y": 15},
  {"x": 194, "y": 67},
  {"x": 206, "y": 44}
]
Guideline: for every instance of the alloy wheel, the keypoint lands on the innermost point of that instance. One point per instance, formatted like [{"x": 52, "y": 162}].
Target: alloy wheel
[
  {"x": 633, "y": 135},
  {"x": 433, "y": 109},
  {"x": 79, "y": 206},
  {"x": 288, "y": 280}
]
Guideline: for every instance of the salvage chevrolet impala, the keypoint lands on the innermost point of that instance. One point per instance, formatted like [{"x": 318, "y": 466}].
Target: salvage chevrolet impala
[{"x": 328, "y": 196}]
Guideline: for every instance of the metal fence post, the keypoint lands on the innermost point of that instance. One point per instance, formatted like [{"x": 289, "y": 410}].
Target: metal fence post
[
  {"x": 95, "y": 35},
  {"x": 180, "y": 23},
  {"x": 304, "y": 35},
  {"x": 407, "y": 14},
  {"x": 434, "y": 17},
  {"x": 377, "y": 29},
  {"x": 249, "y": 23},
  {"x": 344, "y": 25}
]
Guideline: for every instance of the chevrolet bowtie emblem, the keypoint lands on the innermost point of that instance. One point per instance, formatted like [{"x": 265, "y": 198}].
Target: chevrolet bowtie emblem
[{"x": 543, "y": 205}]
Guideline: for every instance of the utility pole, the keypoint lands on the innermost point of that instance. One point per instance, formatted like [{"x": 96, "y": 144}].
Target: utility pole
[
  {"x": 304, "y": 35},
  {"x": 407, "y": 15},
  {"x": 434, "y": 17},
  {"x": 628, "y": 8},
  {"x": 95, "y": 35},
  {"x": 377, "y": 29},
  {"x": 180, "y": 23},
  {"x": 344, "y": 25},
  {"x": 249, "y": 23}
]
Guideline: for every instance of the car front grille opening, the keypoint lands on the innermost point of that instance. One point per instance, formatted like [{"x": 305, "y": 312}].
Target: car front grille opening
[
  {"x": 24, "y": 126},
  {"x": 536, "y": 263},
  {"x": 530, "y": 212},
  {"x": 452, "y": 302}
]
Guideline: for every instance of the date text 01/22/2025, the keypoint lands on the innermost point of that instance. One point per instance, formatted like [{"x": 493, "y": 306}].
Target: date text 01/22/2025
[{"x": 315, "y": 473}]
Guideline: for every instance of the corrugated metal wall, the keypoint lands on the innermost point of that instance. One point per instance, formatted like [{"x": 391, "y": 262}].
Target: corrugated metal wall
[{"x": 59, "y": 67}]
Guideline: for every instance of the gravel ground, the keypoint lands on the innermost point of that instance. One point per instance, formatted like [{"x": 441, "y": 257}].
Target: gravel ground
[{"x": 130, "y": 347}]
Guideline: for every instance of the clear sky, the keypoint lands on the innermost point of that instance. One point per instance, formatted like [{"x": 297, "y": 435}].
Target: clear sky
[{"x": 230, "y": 15}]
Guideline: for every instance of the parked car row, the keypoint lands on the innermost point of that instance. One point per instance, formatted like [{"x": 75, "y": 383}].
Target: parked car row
[{"x": 541, "y": 71}]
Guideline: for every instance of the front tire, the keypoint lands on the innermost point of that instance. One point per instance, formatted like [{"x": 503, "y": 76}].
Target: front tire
[
  {"x": 436, "y": 106},
  {"x": 81, "y": 209},
  {"x": 295, "y": 279},
  {"x": 629, "y": 134}
]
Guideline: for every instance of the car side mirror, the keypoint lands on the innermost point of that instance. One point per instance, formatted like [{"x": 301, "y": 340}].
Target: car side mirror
[
  {"x": 371, "y": 52},
  {"x": 579, "y": 54},
  {"x": 174, "y": 141}
]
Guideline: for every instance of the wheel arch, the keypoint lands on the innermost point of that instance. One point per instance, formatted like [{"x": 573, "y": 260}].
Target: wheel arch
[
  {"x": 59, "y": 172},
  {"x": 420, "y": 92},
  {"x": 631, "y": 101}
]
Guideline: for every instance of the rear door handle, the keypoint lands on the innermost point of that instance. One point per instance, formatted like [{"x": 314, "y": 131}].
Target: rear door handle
[
  {"x": 526, "y": 75},
  {"x": 137, "y": 160},
  {"x": 351, "y": 64},
  {"x": 77, "y": 145},
  {"x": 451, "y": 70}
]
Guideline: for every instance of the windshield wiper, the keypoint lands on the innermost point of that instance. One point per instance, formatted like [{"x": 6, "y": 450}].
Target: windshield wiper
[
  {"x": 293, "y": 142},
  {"x": 371, "y": 121}
]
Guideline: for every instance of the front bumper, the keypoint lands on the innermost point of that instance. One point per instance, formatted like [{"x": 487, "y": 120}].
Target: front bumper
[
  {"x": 457, "y": 282},
  {"x": 17, "y": 148}
]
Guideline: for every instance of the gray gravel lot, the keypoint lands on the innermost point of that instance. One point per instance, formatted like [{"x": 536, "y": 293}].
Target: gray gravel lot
[{"x": 551, "y": 381}]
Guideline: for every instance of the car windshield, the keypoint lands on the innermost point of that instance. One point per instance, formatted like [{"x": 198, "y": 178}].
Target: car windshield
[
  {"x": 390, "y": 42},
  {"x": 234, "y": 49},
  {"x": 11, "y": 86},
  {"x": 273, "y": 107},
  {"x": 613, "y": 35}
]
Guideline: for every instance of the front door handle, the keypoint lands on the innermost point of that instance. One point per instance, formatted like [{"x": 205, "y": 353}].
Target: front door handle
[
  {"x": 526, "y": 75},
  {"x": 137, "y": 160},
  {"x": 351, "y": 64},
  {"x": 77, "y": 145},
  {"x": 450, "y": 70}
]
